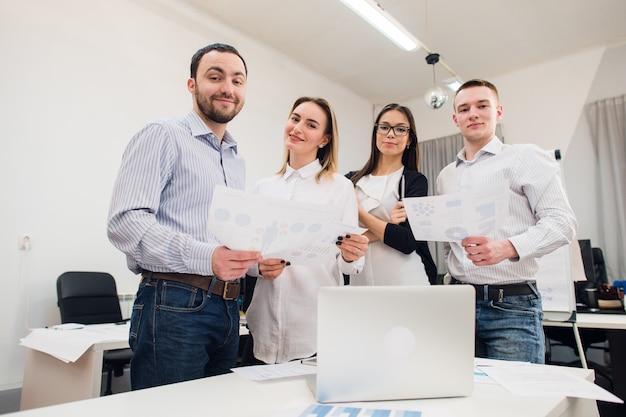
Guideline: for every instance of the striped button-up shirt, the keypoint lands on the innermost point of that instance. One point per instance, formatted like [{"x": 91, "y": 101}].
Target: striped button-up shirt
[
  {"x": 540, "y": 218},
  {"x": 159, "y": 209}
]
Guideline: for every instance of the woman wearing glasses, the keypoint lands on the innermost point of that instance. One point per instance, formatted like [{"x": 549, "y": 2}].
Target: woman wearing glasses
[{"x": 390, "y": 174}]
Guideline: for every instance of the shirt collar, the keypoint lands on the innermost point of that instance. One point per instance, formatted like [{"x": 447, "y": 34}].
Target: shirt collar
[
  {"x": 304, "y": 172},
  {"x": 200, "y": 130},
  {"x": 494, "y": 146}
]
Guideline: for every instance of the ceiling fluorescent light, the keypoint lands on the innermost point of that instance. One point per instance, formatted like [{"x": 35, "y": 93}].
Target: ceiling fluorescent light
[
  {"x": 453, "y": 83},
  {"x": 384, "y": 22}
]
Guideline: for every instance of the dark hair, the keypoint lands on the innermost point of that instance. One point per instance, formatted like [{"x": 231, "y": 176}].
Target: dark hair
[
  {"x": 327, "y": 155},
  {"x": 221, "y": 47},
  {"x": 476, "y": 82},
  {"x": 410, "y": 156}
]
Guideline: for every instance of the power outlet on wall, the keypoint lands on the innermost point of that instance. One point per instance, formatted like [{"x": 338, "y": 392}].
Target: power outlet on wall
[{"x": 24, "y": 242}]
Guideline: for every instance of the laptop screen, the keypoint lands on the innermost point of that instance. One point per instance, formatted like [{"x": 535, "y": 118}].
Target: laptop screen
[{"x": 395, "y": 342}]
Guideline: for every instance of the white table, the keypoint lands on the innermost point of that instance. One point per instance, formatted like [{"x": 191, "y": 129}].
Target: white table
[
  {"x": 594, "y": 321},
  {"x": 232, "y": 395},
  {"x": 49, "y": 381},
  {"x": 601, "y": 321}
]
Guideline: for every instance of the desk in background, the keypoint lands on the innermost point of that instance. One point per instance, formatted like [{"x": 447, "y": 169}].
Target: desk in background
[
  {"x": 615, "y": 325},
  {"x": 232, "y": 395},
  {"x": 49, "y": 381}
]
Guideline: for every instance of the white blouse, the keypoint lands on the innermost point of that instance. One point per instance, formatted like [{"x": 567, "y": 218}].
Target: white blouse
[
  {"x": 282, "y": 316},
  {"x": 385, "y": 265}
]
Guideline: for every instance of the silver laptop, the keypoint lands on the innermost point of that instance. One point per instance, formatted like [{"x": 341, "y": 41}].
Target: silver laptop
[{"x": 394, "y": 342}]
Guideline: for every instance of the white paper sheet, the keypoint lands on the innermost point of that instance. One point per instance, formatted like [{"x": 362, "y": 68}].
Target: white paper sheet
[
  {"x": 301, "y": 233},
  {"x": 69, "y": 345},
  {"x": 547, "y": 380},
  {"x": 281, "y": 370},
  {"x": 453, "y": 217}
]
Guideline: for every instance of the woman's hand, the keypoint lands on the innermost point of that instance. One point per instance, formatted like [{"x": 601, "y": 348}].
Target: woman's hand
[
  {"x": 352, "y": 247},
  {"x": 398, "y": 214},
  {"x": 271, "y": 268}
]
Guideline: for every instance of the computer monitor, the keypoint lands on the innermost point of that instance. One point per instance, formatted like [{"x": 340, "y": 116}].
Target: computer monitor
[{"x": 586, "y": 252}]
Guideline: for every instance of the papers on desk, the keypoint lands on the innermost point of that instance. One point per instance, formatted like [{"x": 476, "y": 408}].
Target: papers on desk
[
  {"x": 304, "y": 408},
  {"x": 301, "y": 233},
  {"x": 69, "y": 345},
  {"x": 453, "y": 217},
  {"x": 281, "y": 370},
  {"x": 528, "y": 379}
]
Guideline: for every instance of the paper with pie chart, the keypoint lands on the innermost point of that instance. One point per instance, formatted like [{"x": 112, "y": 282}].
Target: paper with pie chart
[
  {"x": 453, "y": 217},
  {"x": 302, "y": 233}
]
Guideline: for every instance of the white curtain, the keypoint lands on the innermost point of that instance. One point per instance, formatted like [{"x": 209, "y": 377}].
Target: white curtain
[
  {"x": 607, "y": 121},
  {"x": 435, "y": 154}
]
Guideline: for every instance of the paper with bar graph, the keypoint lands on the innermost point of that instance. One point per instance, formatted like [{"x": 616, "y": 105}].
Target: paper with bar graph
[
  {"x": 453, "y": 217},
  {"x": 302, "y": 408}
]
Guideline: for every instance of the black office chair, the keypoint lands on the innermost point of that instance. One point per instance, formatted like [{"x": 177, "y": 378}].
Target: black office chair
[
  {"x": 599, "y": 267},
  {"x": 91, "y": 298}
]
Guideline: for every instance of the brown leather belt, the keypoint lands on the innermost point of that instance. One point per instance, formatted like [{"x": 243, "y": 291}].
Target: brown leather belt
[
  {"x": 228, "y": 290},
  {"x": 498, "y": 292}
]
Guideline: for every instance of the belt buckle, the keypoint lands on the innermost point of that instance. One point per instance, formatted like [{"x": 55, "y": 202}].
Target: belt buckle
[{"x": 225, "y": 291}]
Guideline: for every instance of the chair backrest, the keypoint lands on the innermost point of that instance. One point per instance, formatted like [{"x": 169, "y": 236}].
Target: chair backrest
[
  {"x": 88, "y": 298},
  {"x": 599, "y": 267}
]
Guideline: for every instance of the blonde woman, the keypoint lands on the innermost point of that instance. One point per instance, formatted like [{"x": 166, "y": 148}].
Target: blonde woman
[{"x": 282, "y": 316}]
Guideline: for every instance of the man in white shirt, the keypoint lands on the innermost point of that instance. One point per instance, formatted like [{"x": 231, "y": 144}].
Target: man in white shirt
[{"x": 502, "y": 266}]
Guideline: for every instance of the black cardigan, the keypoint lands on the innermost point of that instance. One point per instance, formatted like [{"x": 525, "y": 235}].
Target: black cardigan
[{"x": 400, "y": 236}]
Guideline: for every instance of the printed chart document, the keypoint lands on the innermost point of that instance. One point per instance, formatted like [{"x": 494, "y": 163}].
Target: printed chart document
[
  {"x": 304, "y": 408},
  {"x": 453, "y": 217},
  {"x": 302, "y": 233}
]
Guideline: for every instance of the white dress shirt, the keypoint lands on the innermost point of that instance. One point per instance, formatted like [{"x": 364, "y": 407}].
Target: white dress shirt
[
  {"x": 540, "y": 218},
  {"x": 282, "y": 316},
  {"x": 384, "y": 265}
]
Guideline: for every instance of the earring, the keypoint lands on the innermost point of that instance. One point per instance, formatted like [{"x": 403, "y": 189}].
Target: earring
[{"x": 321, "y": 146}]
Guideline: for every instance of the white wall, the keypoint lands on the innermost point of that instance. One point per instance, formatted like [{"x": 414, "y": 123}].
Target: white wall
[{"x": 78, "y": 80}]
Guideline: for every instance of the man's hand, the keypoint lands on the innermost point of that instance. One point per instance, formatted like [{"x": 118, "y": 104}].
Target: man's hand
[
  {"x": 482, "y": 250},
  {"x": 229, "y": 264}
]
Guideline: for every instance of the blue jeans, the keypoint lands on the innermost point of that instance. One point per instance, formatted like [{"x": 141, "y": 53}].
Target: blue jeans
[
  {"x": 179, "y": 332},
  {"x": 511, "y": 329}
]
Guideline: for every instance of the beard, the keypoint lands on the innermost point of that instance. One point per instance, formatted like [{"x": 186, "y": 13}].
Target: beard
[{"x": 206, "y": 107}]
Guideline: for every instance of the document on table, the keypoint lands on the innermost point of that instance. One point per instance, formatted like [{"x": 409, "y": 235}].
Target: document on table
[
  {"x": 69, "y": 345},
  {"x": 304, "y": 408},
  {"x": 301, "y": 233},
  {"x": 547, "y": 380},
  {"x": 453, "y": 217},
  {"x": 281, "y": 370}
]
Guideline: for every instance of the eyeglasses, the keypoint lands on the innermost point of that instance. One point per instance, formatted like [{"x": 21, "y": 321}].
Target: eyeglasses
[{"x": 397, "y": 130}]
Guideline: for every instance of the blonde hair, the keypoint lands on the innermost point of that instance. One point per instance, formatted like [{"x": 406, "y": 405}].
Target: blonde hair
[{"x": 329, "y": 153}]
